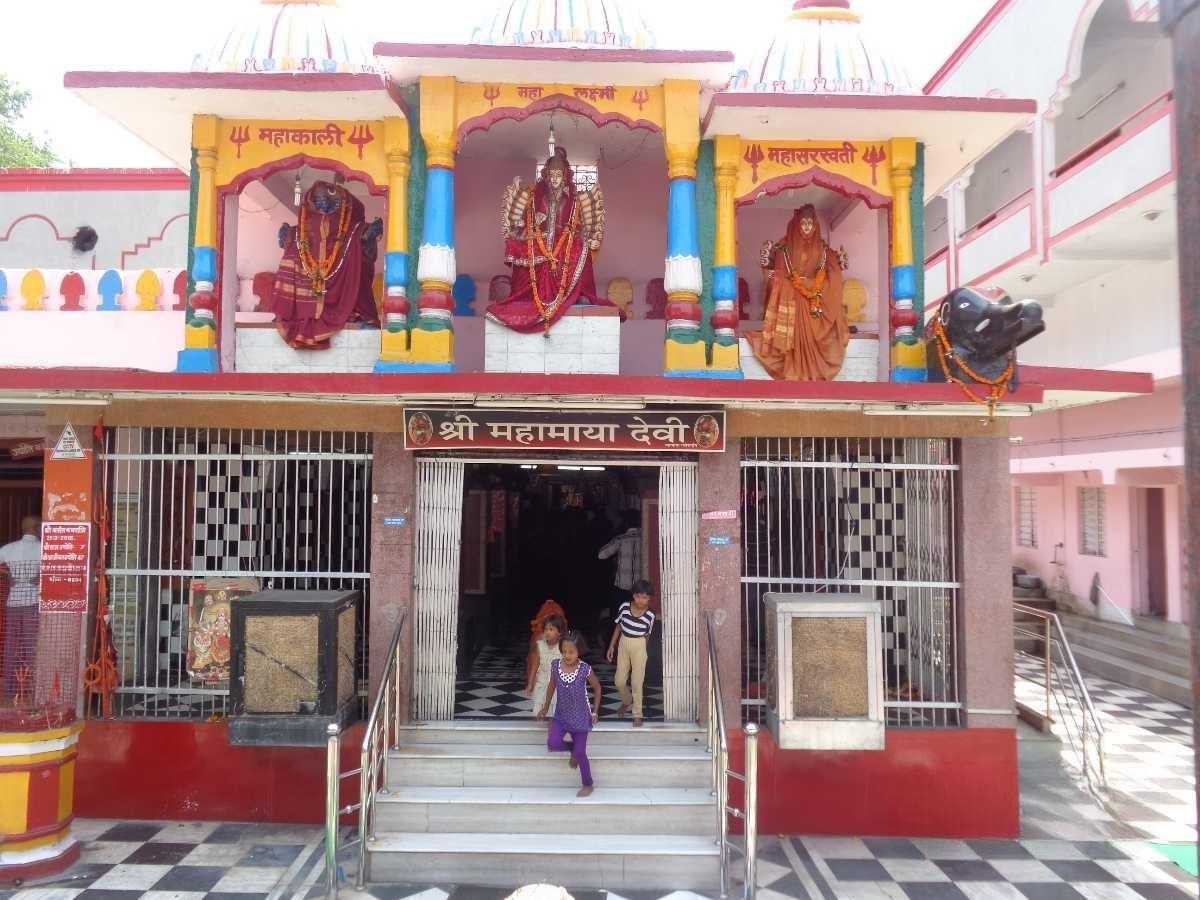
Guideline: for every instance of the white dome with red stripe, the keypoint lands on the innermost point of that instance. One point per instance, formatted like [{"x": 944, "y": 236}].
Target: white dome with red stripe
[
  {"x": 291, "y": 37},
  {"x": 822, "y": 48},
  {"x": 615, "y": 24}
]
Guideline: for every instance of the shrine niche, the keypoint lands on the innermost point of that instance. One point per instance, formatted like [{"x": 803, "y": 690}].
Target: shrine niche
[
  {"x": 818, "y": 319},
  {"x": 300, "y": 204}
]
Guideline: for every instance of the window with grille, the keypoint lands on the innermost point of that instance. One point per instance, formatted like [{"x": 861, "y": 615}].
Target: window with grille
[
  {"x": 1026, "y": 517},
  {"x": 277, "y": 509},
  {"x": 871, "y": 516},
  {"x": 1091, "y": 521}
]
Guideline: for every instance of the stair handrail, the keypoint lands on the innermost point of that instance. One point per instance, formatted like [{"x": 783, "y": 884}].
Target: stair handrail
[
  {"x": 381, "y": 734},
  {"x": 1054, "y": 635},
  {"x": 718, "y": 748}
]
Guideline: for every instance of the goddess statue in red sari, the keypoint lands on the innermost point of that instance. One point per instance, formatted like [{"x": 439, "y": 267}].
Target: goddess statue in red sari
[
  {"x": 550, "y": 233},
  {"x": 324, "y": 279}
]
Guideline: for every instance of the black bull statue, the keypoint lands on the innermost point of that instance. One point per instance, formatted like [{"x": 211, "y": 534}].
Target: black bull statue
[{"x": 982, "y": 335}]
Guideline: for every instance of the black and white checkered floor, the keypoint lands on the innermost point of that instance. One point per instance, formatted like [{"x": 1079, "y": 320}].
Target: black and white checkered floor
[
  {"x": 1151, "y": 783},
  {"x": 495, "y": 685},
  {"x": 212, "y": 861}
]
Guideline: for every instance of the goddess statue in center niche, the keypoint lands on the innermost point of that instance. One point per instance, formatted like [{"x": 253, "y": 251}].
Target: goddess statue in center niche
[{"x": 551, "y": 232}]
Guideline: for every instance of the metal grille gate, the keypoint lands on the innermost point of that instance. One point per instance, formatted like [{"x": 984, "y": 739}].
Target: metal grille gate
[
  {"x": 870, "y": 515},
  {"x": 290, "y": 508},
  {"x": 678, "y": 515},
  {"x": 436, "y": 571}
]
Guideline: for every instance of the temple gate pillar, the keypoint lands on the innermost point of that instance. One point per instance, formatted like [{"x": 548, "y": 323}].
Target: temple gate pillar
[
  {"x": 394, "y": 333},
  {"x": 432, "y": 338},
  {"x": 200, "y": 329},
  {"x": 726, "y": 362},
  {"x": 907, "y": 348},
  {"x": 685, "y": 353}
]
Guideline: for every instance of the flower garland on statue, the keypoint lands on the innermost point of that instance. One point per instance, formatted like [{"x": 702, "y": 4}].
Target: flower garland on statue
[
  {"x": 533, "y": 234},
  {"x": 320, "y": 271},
  {"x": 997, "y": 386},
  {"x": 812, "y": 295}
]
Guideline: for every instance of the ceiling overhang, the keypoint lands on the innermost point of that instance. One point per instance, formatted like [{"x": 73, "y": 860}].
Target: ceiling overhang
[
  {"x": 956, "y": 131},
  {"x": 158, "y": 106}
]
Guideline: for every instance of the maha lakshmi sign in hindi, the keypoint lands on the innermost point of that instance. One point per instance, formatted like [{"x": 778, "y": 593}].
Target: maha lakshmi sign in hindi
[{"x": 451, "y": 429}]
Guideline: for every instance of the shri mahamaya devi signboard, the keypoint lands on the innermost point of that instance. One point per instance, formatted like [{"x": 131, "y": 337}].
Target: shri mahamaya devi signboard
[{"x": 510, "y": 429}]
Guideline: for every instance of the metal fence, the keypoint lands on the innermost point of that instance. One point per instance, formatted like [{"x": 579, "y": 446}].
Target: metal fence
[
  {"x": 189, "y": 507},
  {"x": 859, "y": 515},
  {"x": 39, "y": 653}
]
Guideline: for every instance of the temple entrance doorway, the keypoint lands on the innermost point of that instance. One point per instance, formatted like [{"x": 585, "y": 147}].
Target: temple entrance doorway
[{"x": 499, "y": 541}]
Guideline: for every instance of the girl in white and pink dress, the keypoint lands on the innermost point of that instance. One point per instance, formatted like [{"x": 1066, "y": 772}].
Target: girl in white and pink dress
[{"x": 547, "y": 650}]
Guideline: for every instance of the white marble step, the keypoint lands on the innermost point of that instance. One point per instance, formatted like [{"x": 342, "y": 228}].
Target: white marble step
[
  {"x": 599, "y": 861},
  {"x": 539, "y": 809},
  {"x": 604, "y": 734},
  {"x": 526, "y": 765}
]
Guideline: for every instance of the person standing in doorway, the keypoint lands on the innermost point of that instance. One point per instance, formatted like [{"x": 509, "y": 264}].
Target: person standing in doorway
[
  {"x": 21, "y": 563},
  {"x": 634, "y": 627},
  {"x": 627, "y": 548}
]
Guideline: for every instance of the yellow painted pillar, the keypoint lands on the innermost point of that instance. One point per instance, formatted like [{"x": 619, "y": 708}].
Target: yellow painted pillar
[
  {"x": 907, "y": 348},
  {"x": 685, "y": 353},
  {"x": 200, "y": 329},
  {"x": 433, "y": 336},
  {"x": 394, "y": 333},
  {"x": 725, "y": 358}
]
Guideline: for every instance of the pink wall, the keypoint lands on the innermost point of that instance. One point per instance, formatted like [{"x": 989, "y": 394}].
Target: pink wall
[
  {"x": 1133, "y": 423},
  {"x": 1057, "y": 501}
]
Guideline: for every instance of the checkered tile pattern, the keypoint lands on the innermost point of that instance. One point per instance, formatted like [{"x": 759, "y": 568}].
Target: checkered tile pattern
[
  {"x": 1148, "y": 755},
  {"x": 495, "y": 685},
  {"x": 227, "y": 493},
  {"x": 185, "y": 861}
]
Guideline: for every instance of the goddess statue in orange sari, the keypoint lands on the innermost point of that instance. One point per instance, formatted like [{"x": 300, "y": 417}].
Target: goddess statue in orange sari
[{"x": 805, "y": 332}]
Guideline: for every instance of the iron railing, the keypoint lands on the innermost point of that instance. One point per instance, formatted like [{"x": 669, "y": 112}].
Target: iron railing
[
  {"x": 718, "y": 746},
  {"x": 859, "y": 515},
  {"x": 381, "y": 736},
  {"x": 1044, "y": 658}
]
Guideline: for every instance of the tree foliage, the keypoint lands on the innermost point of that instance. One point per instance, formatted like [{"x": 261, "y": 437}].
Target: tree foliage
[{"x": 18, "y": 148}]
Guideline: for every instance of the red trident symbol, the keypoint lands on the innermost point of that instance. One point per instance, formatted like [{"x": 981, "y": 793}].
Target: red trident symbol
[
  {"x": 754, "y": 155},
  {"x": 491, "y": 93},
  {"x": 23, "y": 676},
  {"x": 360, "y": 137},
  {"x": 641, "y": 97},
  {"x": 238, "y": 135},
  {"x": 873, "y": 157}
]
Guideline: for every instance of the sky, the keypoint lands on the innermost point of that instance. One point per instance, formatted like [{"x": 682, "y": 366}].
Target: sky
[{"x": 50, "y": 37}]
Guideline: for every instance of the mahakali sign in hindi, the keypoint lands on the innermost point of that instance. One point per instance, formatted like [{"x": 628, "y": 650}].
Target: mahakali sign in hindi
[{"x": 677, "y": 430}]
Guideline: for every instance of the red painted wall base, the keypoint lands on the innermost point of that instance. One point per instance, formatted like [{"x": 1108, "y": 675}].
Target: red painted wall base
[
  {"x": 15, "y": 874},
  {"x": 960, "y": 783},
  {"x": 953, "y": 783},
  {"x": 188, "y": 770}
]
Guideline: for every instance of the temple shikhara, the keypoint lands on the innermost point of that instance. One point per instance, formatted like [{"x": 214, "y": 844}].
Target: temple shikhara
[{"x": 419, "y": 344}]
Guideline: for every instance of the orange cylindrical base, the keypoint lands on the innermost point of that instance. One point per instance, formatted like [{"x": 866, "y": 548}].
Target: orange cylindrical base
[{"x": 37, "y": 801}]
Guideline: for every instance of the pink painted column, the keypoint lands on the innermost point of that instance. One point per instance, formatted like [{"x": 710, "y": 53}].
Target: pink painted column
[
  {"x": 393, "y": 487},
  {"x": 719, "y": 487},
  {"x": 985, "y": 610}
]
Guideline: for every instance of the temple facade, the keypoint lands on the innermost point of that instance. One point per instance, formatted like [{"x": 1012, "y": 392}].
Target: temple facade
[{"x": 448, "y": 319}]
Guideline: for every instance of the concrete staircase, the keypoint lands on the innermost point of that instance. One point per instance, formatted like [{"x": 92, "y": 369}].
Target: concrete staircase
[
  {"x": 1154, "y": 656},
  {"x": 484, "y": 803}
]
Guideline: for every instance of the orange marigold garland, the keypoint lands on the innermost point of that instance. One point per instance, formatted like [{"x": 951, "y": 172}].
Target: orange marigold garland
[
  {"x": 566, "y": 240},
  {"x": 320, "y": 271},
  {"x": 997, "y": 386}
]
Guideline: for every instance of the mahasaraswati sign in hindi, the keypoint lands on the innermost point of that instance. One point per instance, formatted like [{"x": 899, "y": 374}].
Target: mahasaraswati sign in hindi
[{"x": 700, "y": 431}]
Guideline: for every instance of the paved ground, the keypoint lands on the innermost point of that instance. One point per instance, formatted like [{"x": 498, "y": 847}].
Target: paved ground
[{"x": 1073, "y": 845}]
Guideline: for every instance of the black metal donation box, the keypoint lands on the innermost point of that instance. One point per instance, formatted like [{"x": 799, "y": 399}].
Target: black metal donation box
[{"x": 292, "y": 671}]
